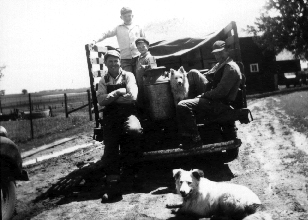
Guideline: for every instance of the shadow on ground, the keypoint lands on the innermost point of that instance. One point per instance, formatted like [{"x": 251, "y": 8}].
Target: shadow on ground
[{"x": 88, "y": 183}]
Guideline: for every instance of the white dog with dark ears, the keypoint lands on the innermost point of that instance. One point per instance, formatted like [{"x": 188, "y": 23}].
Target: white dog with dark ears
[
  {"x": 205, "y": 198},
  {"x": 179, "y": 84}
]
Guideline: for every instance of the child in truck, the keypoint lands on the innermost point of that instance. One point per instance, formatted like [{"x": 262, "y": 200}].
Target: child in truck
[
  {"x": 126, "y": 34},
  {"x": 145, "y": 62}
]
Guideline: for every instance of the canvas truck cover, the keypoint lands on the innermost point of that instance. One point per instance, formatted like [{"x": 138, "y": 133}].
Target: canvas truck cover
[{"x": 195, "y": 53}]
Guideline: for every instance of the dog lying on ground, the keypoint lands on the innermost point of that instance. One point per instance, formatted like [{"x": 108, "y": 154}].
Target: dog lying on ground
[
  {"x": 179, "y": 84},
  {"x": 205, "y": 198}
]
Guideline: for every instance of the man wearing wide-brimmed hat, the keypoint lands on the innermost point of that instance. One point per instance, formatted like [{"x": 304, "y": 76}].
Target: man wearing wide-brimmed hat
[
  {"x": 117, "y": 92},
  {"x": 215, "y": 102},
  {"x": 126, "y": 33}
]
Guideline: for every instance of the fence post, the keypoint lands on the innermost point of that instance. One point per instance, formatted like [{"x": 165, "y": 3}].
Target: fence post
[
  {"x": 90, "y": 105},
  {"x": 31, "y": 124},
  {"x": 65, "y": 103}
]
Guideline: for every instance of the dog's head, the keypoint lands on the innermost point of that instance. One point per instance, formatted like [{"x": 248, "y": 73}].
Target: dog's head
[
  {"x": 179, "y": 76},
  {"x": 187, "y": 182}
]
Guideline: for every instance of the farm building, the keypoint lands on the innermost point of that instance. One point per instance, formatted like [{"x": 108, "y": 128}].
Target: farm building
[{"x": 259, "y": 65}]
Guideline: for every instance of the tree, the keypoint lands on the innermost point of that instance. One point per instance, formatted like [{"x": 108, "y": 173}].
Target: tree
[
  {"x": 24, "y": 91},
  {"x": 283, "y": 25}
]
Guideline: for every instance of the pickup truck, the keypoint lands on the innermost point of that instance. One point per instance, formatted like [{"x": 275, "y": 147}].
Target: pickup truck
[
  {"x": 160, "y": 131},
  {"x": 289, "y": 73}
]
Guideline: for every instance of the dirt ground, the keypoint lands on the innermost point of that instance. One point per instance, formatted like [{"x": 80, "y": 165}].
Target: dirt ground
[{"x": 272, "y": 162}]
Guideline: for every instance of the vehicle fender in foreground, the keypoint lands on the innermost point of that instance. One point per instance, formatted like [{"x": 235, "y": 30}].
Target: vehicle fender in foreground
[{"x": 11, "y": 161}]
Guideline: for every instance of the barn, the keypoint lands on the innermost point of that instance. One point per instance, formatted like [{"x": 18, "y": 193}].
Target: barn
[{"x": 259, "y": 65}]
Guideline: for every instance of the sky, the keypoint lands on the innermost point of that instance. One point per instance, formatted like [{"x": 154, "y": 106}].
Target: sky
[{"x": 42, "y": 42}]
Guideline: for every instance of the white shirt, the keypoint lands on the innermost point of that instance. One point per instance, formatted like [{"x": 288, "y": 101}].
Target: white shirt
[{"x": 126, "y": 36}]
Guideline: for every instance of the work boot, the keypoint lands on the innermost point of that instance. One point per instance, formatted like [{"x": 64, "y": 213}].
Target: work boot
[{"x": 114, "y": 191}]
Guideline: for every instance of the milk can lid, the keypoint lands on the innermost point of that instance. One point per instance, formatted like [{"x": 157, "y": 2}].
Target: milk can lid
[{"x": 155, "y": 76}]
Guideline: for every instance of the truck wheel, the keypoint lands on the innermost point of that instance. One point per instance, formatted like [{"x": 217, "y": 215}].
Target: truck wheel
[
  {"x": 231, "y": 155},
  {"x": 8, "y": 199},
  {"x": 287, "y": 85}
]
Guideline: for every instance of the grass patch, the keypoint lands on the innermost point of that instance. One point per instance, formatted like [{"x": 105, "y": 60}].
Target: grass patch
[
  {"x": 46, "y": 130},
  {"x": 296, "y": 106}
]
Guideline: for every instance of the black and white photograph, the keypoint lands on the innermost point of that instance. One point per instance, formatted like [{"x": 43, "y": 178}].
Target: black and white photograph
[{"x": 154, "y": 110}]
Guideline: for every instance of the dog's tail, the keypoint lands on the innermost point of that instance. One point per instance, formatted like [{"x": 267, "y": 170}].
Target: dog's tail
[{"x": 259, "y": 216}]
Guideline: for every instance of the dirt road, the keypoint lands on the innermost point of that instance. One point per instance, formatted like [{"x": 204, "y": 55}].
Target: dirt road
[{"x": 272, "y": 162}]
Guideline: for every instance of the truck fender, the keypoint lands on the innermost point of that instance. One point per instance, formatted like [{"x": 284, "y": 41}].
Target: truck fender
[{"x": 9, "y": 152}]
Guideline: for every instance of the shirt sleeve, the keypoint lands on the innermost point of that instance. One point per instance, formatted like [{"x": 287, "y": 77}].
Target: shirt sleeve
[
  {"x": 110, "y": 33},
  {"x": 131, "y": 89},
  {"x": 103, "y": 97},
  {"x": 228, "y": 80}
]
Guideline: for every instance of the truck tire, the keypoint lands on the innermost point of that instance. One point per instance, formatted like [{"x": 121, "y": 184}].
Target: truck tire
[{"x": 8, "y": 199}]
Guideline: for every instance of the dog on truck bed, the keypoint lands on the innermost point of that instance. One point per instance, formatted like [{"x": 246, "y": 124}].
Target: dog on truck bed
[
  {"x": 179, "y": 84},
  {"x": 205, "y": 198}
]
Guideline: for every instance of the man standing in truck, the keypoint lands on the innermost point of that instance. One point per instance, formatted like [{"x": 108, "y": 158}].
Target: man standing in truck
[{"x": 127, "y": 33}]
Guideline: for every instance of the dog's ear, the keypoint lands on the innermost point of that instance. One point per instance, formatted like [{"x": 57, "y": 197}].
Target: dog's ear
[
  {"x": 176, "y": 173},
  {"x": 172, "y": 72},
  {"x": 197, "y": 174},
  {"x": 182, "y": 69}
]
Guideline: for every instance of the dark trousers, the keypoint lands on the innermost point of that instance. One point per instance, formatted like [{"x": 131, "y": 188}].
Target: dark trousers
[
  {"x": 122, "y": 132},
  {"x": 129, "y": 65},
  {"x": 191, "y": 112},
  {"x": 198, "y": 83}
]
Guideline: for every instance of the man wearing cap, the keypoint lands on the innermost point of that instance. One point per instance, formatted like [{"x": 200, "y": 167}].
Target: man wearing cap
[
  {"x": 126, "y": 33},
  {"x": 117, "y": 92},
  {"x": 215, "y": 102}
]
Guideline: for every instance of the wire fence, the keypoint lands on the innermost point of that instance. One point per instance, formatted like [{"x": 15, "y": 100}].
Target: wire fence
[
  {"x": 28, "y": 116},
  {"x": 21, "y": 103}
]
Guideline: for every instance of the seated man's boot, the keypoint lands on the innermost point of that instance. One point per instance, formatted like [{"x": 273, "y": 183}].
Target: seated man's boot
[
  {"x": 114, "y": 189},
  {"x": 229, "y": 131}
]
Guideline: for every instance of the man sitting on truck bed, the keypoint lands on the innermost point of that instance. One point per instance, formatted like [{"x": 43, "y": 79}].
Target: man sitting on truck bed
[
  {"x": 117, "y": 91},
  {"x": 212, "y": 103}
]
